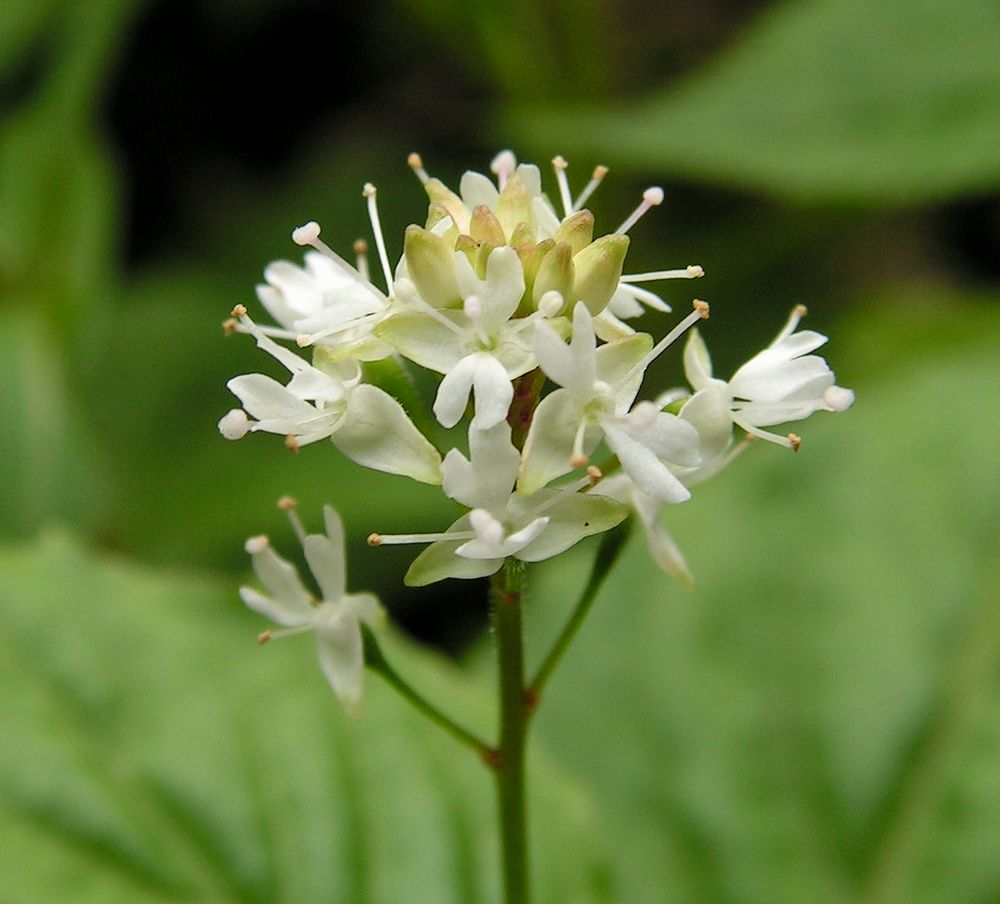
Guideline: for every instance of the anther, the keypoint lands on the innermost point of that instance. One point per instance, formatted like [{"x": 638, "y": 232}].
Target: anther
[
  {"x": 596, "y": 179},
  {"x": 292, "y": 443},
  {"x": 416, "y": 163},
  {"x": 361, "y": 258},
  {"x": 306, "y": 234},
  {"x": 578, "y": 460},
  {"x": 263, "y": 637},
  {"x": 287, "y": 502},
  {"x": 595, "y": 474},
  {"x": 794, "y": 440},
  {"x": 374, "y": 540},
  {"x": 559, "y": 164},
  {"x": 651, "y": 197},
  {"x": 229, "y": 326},
  {"x": 701, "y": 307},
  {"x": 695, "y": 271},
  {"x": 239, "y": 311}
]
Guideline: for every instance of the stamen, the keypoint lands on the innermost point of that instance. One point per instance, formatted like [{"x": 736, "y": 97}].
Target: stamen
[
  {"x": 292, "y": 443},
  {"x": 415, "y": 162},
  {"x": 651, "y": 197},
  {"x": 369, "y": 193},
  {"x": 401, "y": 539},
  {"x": 265, "y": 636},
  {"x": 303, "y": 340},
  {"x": 691, "y": 271},
  {"x": 309, "y": 235},
  {"x": 229, "y": 326},
  {"x": 275, "y": 332},
  {"x": 700, "y": 312},
  {"x": 256, "y": 545},
  {"x": 596, "y": 179},
  {"x": 503, "y": 166},
  {"x": 791, "y": 441},
  {"x": 578, "y": 459},
  {"x": 361, "y": 256},
  {"x": 287, "y": 504},
  {"x": 559, "y": 165},
  {"x": 798, "y": 312},
  {"x": 473, "y": 309},
  {"x": 595, "y": 475}
]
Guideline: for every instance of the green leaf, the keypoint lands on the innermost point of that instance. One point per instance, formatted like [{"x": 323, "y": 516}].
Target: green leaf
[
  {"x": 829, "y": 100},
  {"x": 153, "y": 752},
  {"x": 818, "y": 720}
]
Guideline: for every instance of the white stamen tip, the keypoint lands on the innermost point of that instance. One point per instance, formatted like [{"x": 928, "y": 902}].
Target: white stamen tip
[
  {"x": 551, "y": 304},
  {"x": 360, "y": 246},
  {"x": 239, "y": 310},
  {"x": 838, "y": 398},
  {"x": 306, "y": 234},
  {"x": 578, "y": 460},
  {"x": 701, "y": 307},
  {"x": 368, "y": 190},
  {"x": 600, "y": 171},
  {"x": 256, "y": 545},
  {"x": 595, "y": 474},
  {"x": 800, "y": 310},
  {"x": 473, "y": 308},
  {"x": 287, "y": 502},
  {"x": 695, "y": 271},
  {"x": 794, "y": 441},
  {"x": 642, "y": 416},
  {"x": 303, "y": 340},
  {"x": 374, "y": 539},
  {"x": 559, "y": 162},
  {"x": 503, "y": 164},
  {"x": 653, "y": 195},
  {"x": 235, "y": 424},
  {"x": 415, "y": 161}
]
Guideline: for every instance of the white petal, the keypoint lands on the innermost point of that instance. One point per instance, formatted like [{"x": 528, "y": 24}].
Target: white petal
[
  {"x": 575, "y": 516},
  {"x": 476, "y": 189},
  {"x": 491, "y": 547},
  {"x": 662, "y": 548},
  {"x": 553, "y": 355},
  {"x": 326, "y": 562},
  {"x": 276, "y": 610},
  {"x": 671, "y": 439},
  {"x": 423, "y": 338},
  {"x": 708, "y": 412},
  {"x": 453, "y": 393},
  {"x": 341, "y": 656},
  {"x": 549, "y": 445},
  {"x": 583, "y": 345},
  {"x": 366, "y": 608},
  {"x": 281, "y": 578},
  {"x": 439, "y": 561},
  {"x": 377, "y": 433},
  {"x": 495, "y": 462},
  {"x": 502, "y": 289},
  {"x": 493, "y": 390},
  {"x": 647, "y": 472},
  {"x": 697, "y": 362}
]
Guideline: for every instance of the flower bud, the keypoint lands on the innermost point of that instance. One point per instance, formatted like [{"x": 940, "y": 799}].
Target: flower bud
[
  {"x": 431, "y": 267},
  {"x": 577, "y": 230},
  {"x": 514, "y": 204},
  {"x": 555, "y": 273},
  {"x": 485, "y": 227},
  {"x": 439, "y": 193},
  {"x": 598, "y": 271}
]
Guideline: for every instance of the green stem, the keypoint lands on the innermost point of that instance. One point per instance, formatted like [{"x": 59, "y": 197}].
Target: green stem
[
  {"x": 507, "y": 586},
  {"x": 376, "y": 661},
  {"x": 611, "y": 545}
]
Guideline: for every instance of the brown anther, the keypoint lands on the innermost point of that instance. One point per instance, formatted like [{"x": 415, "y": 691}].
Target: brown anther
[
  {"x": 794, "y": 441},
  {"x": 229, "y": 326},
  {"x": 600, "y": 171},
  {"x": 594, "y": 473},
  {"x": 801, "y": 310},
  {"x": 415, "y": 161},
  {"x": 292, "y": 443},
  {"x": 360, "y": 246},
  {"x": 374, "y": 539},
  {"x": 578, "y": 460},
  {"x": 701, "y": 307},
  {"x": 239, "y": 310},
  {"x": 287, "y": 502},
  {"x": 263, "y": 637}
]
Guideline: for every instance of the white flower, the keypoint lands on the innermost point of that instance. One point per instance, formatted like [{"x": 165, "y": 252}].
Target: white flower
[
  {"x": 479, "y": 348},
  {"x": 335, "y": 619},
  {"x": 599, "y": 386},
  {"x": 502, "y": 523},
  {"x": 780, "y": 384},
  {"x": 367, "y": 424}
]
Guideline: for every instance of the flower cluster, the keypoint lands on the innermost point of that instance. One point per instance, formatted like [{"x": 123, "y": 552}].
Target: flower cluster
[{"x": 525, "y": 315}]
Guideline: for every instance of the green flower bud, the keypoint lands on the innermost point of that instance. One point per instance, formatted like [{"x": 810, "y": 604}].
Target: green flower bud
[
  {"x": 598, "y": 271},
  {"x": 514, "y": 204},
  {"x": 555, "y": 272},
  {"x": 577, "y": 230},
  {"x": 485, "y": 227},
  {"x": 431, "y": 266},
  {"x": 438, "y": 192}
]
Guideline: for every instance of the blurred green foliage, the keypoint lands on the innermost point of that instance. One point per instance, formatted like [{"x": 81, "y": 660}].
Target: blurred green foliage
[{"x": 818, "y": 721}]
